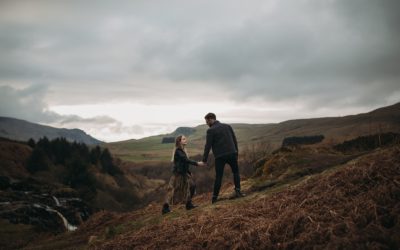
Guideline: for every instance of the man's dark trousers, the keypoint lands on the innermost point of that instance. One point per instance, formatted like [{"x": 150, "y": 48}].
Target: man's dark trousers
[{"x": 220, "y": 162}]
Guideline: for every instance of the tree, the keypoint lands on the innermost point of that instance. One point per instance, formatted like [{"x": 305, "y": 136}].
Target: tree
[
  {"x": 95, "y": 154},
  {"x": 107, "y": 163},
  {"x": 61, "y": 150},
  {"x": 31, "y": 143},
  {"x": 38, "y": 161},
  {"x": 79, "y": 177},
  {"x": 44, "y": 143}
]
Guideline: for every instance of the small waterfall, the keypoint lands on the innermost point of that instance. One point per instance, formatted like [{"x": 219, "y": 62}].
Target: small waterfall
[
  {"x": 57, "y": 201},
  {"x": 67, "y": 226}
]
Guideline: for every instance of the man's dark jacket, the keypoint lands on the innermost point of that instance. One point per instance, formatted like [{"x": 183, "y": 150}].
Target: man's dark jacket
[{"x": 221, "y": 139}]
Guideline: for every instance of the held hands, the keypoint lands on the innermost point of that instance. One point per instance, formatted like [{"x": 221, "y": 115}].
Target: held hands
[{"x": 201, "y": 164}]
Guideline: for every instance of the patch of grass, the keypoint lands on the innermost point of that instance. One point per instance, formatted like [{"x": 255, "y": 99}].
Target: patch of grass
[
  {"x": 146, "y": 221},
  {"x": 151, "y": 148},
  {"x": 137, "y": 225},
  {"x": 112, "y": 231},
  {"x": 293, "y": 177},
  {"x": 13, "y": 236}
]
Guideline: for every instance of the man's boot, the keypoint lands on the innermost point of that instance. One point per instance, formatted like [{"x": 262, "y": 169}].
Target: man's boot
[
  {"x": 236, "y": 194},
  {"x": 239, "y": 194},
  {"x": 214, "y": 199},
  {"x": 190, "y": 205}
]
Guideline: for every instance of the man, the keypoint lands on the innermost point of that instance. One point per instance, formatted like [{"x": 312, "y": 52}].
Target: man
[{"x": 222, "y": 140}]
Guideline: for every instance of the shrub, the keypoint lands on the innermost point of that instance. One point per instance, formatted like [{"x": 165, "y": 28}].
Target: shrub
[
  {"x": 370, "y": 142},
  {"x": 302, "y": 140}
]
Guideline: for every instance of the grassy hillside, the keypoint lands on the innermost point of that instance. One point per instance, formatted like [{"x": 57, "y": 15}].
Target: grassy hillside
[
  {"x": 41, "y": 183},
  {"x": 334, "y": 129},
  {"x": 89, "y": 171},
  {"x": 349, "y": 201},
  {"x": 14, "y": 156},
  {"x": 322, "y": 195}
]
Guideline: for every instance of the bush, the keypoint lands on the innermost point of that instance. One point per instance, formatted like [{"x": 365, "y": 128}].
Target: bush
[
  {"x": 168, "y": 140},
  {"x": 302, "y": 140},
  {"x": 370, "y": 142}
]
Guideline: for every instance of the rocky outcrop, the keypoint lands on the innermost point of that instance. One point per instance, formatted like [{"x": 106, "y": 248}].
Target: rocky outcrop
[
  {"x": 32, "y": 202},
  {"x": 183, "y": 131},
  {"x": 39, "y": 215}
]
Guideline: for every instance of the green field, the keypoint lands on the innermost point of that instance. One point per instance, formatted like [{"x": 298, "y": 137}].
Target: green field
[{"x": 150, "y": 149}]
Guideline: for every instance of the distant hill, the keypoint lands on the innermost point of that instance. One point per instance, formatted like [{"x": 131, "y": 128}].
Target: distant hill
[
  {"x": 334, "y": 130},
  {"x": 23, "y": 130}
]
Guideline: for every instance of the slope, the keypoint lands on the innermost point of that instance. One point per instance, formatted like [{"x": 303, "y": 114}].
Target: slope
[{"x": 351, "y": 205}]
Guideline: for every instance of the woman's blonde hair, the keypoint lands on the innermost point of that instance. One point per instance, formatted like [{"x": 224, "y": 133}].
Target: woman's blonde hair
[{"x": 178, "y": 144}]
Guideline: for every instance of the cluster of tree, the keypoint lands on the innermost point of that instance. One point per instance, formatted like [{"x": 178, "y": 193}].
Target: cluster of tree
[
  {"x": 74, "y": 159},
  {"x": 370, "y": 142},
  {"x": 61, "y": 152},
  {"x": 302, "y": 140}
]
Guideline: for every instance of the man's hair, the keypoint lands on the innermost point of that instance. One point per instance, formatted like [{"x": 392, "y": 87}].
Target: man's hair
[{"x": 210, "y": 116}]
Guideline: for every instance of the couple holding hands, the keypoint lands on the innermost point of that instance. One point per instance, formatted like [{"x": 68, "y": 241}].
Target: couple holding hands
[{"x": 222, "y": 140}]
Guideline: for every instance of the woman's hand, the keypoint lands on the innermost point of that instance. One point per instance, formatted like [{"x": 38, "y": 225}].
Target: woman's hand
[{"x": 201, "y": 164}]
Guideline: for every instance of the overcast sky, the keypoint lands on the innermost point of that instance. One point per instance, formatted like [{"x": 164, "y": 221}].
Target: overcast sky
[{"x": 129, "y": 69}]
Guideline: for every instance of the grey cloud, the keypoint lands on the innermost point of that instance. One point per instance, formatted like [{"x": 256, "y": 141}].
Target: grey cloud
[
  {"x": 322, "y": 52},
  {"x": 305, "y": 56},
  {"x": 28, "y": 103},
  {"x": 103, "y": 128},
  {"x": 315, "y": 51},
  {"x": 100, "y": 120},
  {"x": 25, "y": 103}
]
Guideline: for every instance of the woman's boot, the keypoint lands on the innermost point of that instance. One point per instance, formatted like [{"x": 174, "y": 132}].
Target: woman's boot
[{"x": 165, "y": 208}]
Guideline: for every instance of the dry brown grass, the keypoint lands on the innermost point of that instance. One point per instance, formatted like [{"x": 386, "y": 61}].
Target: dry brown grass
[
  {"x": 356, "y": 206},
  {"x": 13, "y": 157},
  {"x": 353, "y": 206}
]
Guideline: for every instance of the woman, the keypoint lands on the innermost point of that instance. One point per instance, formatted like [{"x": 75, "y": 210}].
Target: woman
[{"x": 181, "y": 187}]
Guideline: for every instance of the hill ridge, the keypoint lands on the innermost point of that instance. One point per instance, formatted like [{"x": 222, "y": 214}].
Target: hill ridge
[
  {"x": 23, "y": 130},
  {"x": 334, "y": 130}
]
